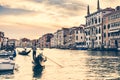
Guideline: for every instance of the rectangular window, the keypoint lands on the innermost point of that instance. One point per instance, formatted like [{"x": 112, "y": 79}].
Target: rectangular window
[
  {"x": 80, "y": 30},
  {"x": 76, "y": 31},
  {"x": 99, "y": 37},
  {"x": 108, "y": 26},
  {"x": 76, "y": 37},
  {"x": 99, "y": 19},
  {"x": 104, "y": 35},
  {"x": 104, "y": 26},
  {"x": 108, "y": 34}
]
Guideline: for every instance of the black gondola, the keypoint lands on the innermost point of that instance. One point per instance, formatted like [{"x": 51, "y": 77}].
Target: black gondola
[{"x": 24, "y": 52}]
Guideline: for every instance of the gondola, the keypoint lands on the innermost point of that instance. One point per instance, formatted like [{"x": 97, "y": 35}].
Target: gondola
[{"x": 24, "y": 52}]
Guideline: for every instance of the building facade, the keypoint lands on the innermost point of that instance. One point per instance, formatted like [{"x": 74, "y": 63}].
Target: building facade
[
  {"x": 62, "y": 37},
  {"x": 76, "y": 37},
  {"x": 44, "y": 41},
  {"x": 111, "y": 29},
  {"x": 71, "y": 37},
  {"x": 54, "y": 40},
  {"x": 14, "y": 42},
  {"x": 94, "y": 25},
  {"x": 1, "y": 39},
  {"x": 80, "y": 37},
  {"x": 24, "y": 42}
]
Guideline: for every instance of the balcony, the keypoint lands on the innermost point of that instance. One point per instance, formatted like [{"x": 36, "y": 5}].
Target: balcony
[
  {"x": 115, "y": 37},
  {"x": 93, "y": 37},
  {"x": 114, "y": 29}
]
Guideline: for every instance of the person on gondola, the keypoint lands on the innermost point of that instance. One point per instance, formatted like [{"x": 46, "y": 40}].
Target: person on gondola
[
  {"x": 25, "y": 49},
  {"x": 34, "y": 51},
  {"x": 40, "y": 59}
]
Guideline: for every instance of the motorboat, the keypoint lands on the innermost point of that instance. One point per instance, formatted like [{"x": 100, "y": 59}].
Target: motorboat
[
  {"x": 6, "y": 65},
  {"x": 6, "y": 62}
]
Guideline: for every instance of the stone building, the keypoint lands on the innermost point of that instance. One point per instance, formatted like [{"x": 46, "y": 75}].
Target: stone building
[
  {"x": 76, "y": 37},
  {"x": 111, "y": 29},
  {"x": 1, "y": 39},
  {"x": 62, "y": 37},
  {"x": 24, "y": 42},
  {"x": 94, "y": 25},
  {"x": 54, "y": 40},
  {"x": 44, "y": 41}
]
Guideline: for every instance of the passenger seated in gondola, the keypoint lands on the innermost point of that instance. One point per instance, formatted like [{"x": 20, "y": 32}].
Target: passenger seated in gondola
[{"x": 25, "y": 49}]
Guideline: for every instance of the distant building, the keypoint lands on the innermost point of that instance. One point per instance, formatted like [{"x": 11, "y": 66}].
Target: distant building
[
  {"x": 62, "y": 37},
  {"x": 24, "y": 42},
  {"x": 55, "y": 36},
  {"x": 70, "y": 37},
  {"x": 44, "y": 41},
  {"x": 111, "y": 29},
  {"x": 80, "y": 37},
  {"x": 94, "y": 25},
  {"x": 14, "y": 42},
  {"x": 76, "y": 37},
  {"x": 40, "y": 42},
  {"x": 1, "y": 39},
  {"x": 5, "y": 42},
  {"x": 35, "y": 42},
  {"x": 52, "y": 42}
]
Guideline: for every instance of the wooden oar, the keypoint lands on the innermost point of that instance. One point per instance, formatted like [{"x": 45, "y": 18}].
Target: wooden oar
[{"x": 54, "y": 62}]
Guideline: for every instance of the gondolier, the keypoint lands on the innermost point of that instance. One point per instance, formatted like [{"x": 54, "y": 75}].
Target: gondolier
[{"x": 34, "y": 51}]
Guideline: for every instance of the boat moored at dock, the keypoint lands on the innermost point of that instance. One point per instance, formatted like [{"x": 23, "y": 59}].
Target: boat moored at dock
[{"x": 6, "y": 62}]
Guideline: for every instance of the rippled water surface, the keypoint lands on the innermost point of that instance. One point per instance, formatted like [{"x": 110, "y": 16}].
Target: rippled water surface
[{"x": 68, "y": 65}]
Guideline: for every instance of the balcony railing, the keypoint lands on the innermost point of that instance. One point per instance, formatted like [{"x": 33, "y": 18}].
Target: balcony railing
[{"x": 115, "y": 37}]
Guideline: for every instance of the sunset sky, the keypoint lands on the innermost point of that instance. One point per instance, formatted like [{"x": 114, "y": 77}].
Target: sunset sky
[{"x": 33, "y": 18}]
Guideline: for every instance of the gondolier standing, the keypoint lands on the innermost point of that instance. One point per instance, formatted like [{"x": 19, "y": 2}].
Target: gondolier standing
[{"x": 34, "y": 51}]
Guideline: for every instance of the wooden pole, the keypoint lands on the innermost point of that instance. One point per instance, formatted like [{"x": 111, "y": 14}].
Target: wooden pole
[{"x": 55, "y": 62}]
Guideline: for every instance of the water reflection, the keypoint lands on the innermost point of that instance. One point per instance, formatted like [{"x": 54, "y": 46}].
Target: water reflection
[
  {"x": 37, "y": 71},
  {"x": 103, "y": 65},
  {"x": 6, "y": 72},
  {"x": 103, "y": 53},
  {"x": 6, "y": 75},
  {"x": 77, "y": 65}
]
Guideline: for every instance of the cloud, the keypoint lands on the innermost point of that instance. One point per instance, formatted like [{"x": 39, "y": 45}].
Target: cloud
[
  {"x": 66, "y": 4},
  {"x": 42, "y": 16},
  {"x": 13, "y": 11}
]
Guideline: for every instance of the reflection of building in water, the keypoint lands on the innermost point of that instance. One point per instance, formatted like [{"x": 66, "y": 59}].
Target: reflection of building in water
[{"x": 111, "y": 29}]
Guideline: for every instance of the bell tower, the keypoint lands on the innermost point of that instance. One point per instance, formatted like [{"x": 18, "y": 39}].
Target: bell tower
[
  {"x": 98, "y": 5},
  {"x": 88, "y": 10}
]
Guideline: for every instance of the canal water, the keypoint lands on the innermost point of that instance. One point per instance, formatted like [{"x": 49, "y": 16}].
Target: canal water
[{"x": 68, "y": 65}]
